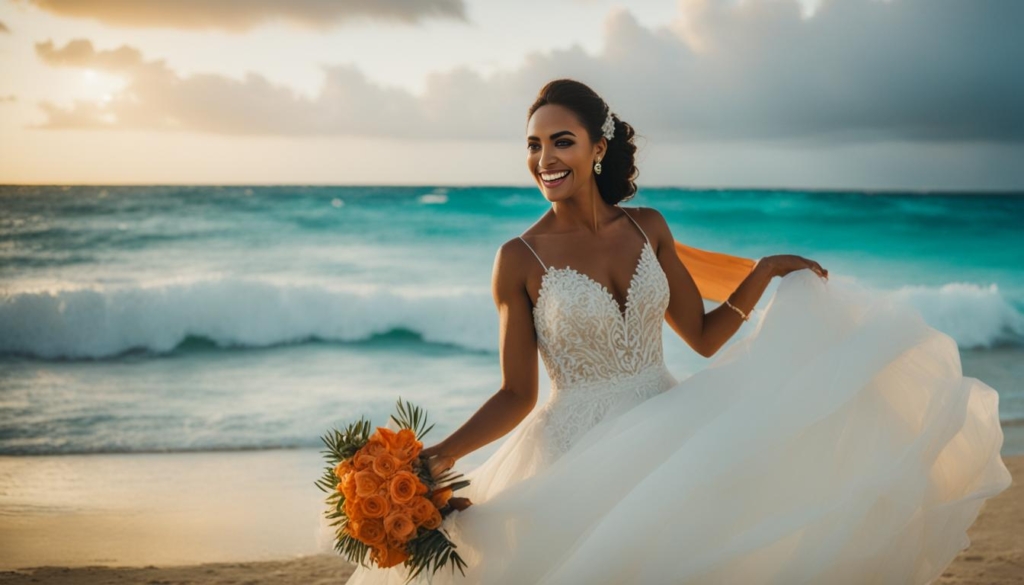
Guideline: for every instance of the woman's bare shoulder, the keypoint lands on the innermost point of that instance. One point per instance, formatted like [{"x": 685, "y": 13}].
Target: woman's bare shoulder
[
  {"x": 511, "y": 264},
  {"x": 652, "y": 222},
  {"x": 515, "y": 260},
  {"x": 511, "y": 251}
]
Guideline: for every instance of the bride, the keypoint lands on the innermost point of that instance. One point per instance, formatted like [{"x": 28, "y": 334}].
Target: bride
[{"x": 838, "y": 443}]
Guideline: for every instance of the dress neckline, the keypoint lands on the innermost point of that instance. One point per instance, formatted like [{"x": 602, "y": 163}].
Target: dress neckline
[{"x": 623, "y": 313}]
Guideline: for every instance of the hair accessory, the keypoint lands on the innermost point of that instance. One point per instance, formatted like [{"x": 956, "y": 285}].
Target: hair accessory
[
  {"x": 608, "y": 128},
  {"x": 597, "y": 167},
  {"x": 745, "y": 316}
]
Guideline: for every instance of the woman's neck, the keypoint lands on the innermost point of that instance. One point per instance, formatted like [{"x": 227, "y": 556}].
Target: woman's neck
[{"x": 585, "y": 210}]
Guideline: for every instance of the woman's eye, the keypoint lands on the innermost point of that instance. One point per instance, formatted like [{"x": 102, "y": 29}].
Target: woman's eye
[{"x": 557, "y": 143}]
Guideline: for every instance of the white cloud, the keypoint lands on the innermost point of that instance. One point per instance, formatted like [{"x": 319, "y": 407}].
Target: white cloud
[{"x": 856, "y": 71}]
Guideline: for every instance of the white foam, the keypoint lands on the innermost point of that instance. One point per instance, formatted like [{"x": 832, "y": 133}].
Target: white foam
[
  {"x": 97, "y": 322},
  {"x": 232, "y": 311},
  {"x": 975, "y": 316}
]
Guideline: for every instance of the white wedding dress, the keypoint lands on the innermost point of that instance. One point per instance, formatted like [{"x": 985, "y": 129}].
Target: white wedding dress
[{"x": 838, "y": 443}]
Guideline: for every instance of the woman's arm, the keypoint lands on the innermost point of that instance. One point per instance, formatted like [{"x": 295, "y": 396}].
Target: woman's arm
[
  {"x": 518, "y": 356},
  {"x": 722, "y": 322},
  {"x": 707, "y": 332},
  {"x": 685, "y": 312}
]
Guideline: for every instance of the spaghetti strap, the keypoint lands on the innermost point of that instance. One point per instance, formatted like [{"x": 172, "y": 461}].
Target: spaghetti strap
[
  {"x": 636, "y": 224},
  {"x": 535, "y": 254}
]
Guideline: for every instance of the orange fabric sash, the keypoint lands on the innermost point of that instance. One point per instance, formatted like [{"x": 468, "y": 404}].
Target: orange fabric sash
[{"x": 717, "y": 275}]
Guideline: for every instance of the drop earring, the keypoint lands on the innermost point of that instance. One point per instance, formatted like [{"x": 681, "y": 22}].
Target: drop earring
[{"x": 597, "y": 167}]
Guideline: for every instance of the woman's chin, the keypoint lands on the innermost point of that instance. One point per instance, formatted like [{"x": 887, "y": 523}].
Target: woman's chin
[{"x": 559, "y": 193}]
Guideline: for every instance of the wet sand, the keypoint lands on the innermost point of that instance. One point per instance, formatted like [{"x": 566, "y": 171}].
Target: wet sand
[{"x": 996, "y": 554}]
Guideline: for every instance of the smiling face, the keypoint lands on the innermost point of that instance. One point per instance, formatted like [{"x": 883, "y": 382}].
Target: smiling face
[{"x": 559, "y": 153}]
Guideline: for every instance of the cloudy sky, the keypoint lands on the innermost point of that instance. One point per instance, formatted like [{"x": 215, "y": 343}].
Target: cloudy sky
[{"x": 855, "y": 94}]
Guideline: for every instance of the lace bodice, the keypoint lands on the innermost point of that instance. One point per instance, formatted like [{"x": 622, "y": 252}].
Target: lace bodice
[{"x": 596, "y": 356}]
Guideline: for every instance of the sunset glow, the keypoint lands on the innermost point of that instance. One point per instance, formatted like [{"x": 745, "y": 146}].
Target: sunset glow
[{"x": 305, "y": 92}]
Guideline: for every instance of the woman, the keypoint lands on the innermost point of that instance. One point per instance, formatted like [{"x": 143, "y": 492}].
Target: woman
[{"x": 838, "y": 443}]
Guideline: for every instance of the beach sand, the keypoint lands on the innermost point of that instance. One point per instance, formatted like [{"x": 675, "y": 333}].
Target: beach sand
[{"x": 105, "y": 545}]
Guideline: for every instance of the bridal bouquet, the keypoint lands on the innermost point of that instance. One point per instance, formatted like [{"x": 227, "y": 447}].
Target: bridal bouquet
[{"x": 383, "y": 498}]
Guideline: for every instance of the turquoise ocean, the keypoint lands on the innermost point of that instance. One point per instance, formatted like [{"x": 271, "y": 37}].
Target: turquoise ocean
[{"x": 202, "y": 318}]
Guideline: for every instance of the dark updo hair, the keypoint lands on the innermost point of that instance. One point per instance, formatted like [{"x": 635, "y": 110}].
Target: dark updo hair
[{"x": 616, "y": 183}]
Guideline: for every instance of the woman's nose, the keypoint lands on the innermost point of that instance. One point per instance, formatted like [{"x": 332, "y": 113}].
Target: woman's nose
[{"x": 547, "y": 158}]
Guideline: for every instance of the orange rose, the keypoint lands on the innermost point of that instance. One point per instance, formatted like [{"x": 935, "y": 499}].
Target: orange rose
[
  {"x": 374, "y": 506},
  {"x": 380, "y": 441},
  {"x": 385, "y": 436},
  {"x": 352, "y": 510},
  {"x": 405, "y": 447},
  {"x": 375, "y": 448},
  {"x": 420, "y": 509},
  {"x": 352, "y": 528},
  {"x": 367, "y": 483},
  {"x": 440, "y": 497},
  {"x": 362, "y": 460},
  {"x": 403, "y": 487},
  {"x": 399, "y": 526},
  {"x": 347, "y": 486},
  {"x": 371, "y": 532},
  {"x": 434, "y": 521},
  {"x": 385, "y": 465},
  {"x": 342, "y": 468},
  {"x": 389, "y": 557},
  {"x": 405, "y": 509}
]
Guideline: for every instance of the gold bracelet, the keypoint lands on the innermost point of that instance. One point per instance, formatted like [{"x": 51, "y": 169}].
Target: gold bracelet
[{"x": 745, "y": 316}]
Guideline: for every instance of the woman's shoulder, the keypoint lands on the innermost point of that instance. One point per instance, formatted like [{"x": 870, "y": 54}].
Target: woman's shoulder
[
  {"x": 513, "y": 248},
  {"x": 514, "y": 255},
  {"x": 641, "y": 212},
  {"x": 513, "y": 263},
  {"x": 651, "y": 221}
]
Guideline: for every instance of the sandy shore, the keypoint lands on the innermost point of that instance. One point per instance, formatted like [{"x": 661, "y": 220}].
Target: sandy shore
[{"x": 996, "y": 555}]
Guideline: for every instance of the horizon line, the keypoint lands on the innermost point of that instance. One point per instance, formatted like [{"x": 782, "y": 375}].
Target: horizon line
[{"x": 865, "y": 190}]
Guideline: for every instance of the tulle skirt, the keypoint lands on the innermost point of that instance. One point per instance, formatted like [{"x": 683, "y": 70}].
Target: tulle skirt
[{"x": 837, "y": 443}]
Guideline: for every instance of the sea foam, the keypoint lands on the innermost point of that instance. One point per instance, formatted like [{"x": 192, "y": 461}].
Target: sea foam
[
  {"x": 96, "y": 323},
  {"x": 240, "y": 312}
]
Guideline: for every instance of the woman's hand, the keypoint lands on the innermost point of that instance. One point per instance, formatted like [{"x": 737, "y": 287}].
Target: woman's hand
[
  {"x": 783, "y": 264},
  {"x": 437, "y": 462}
]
